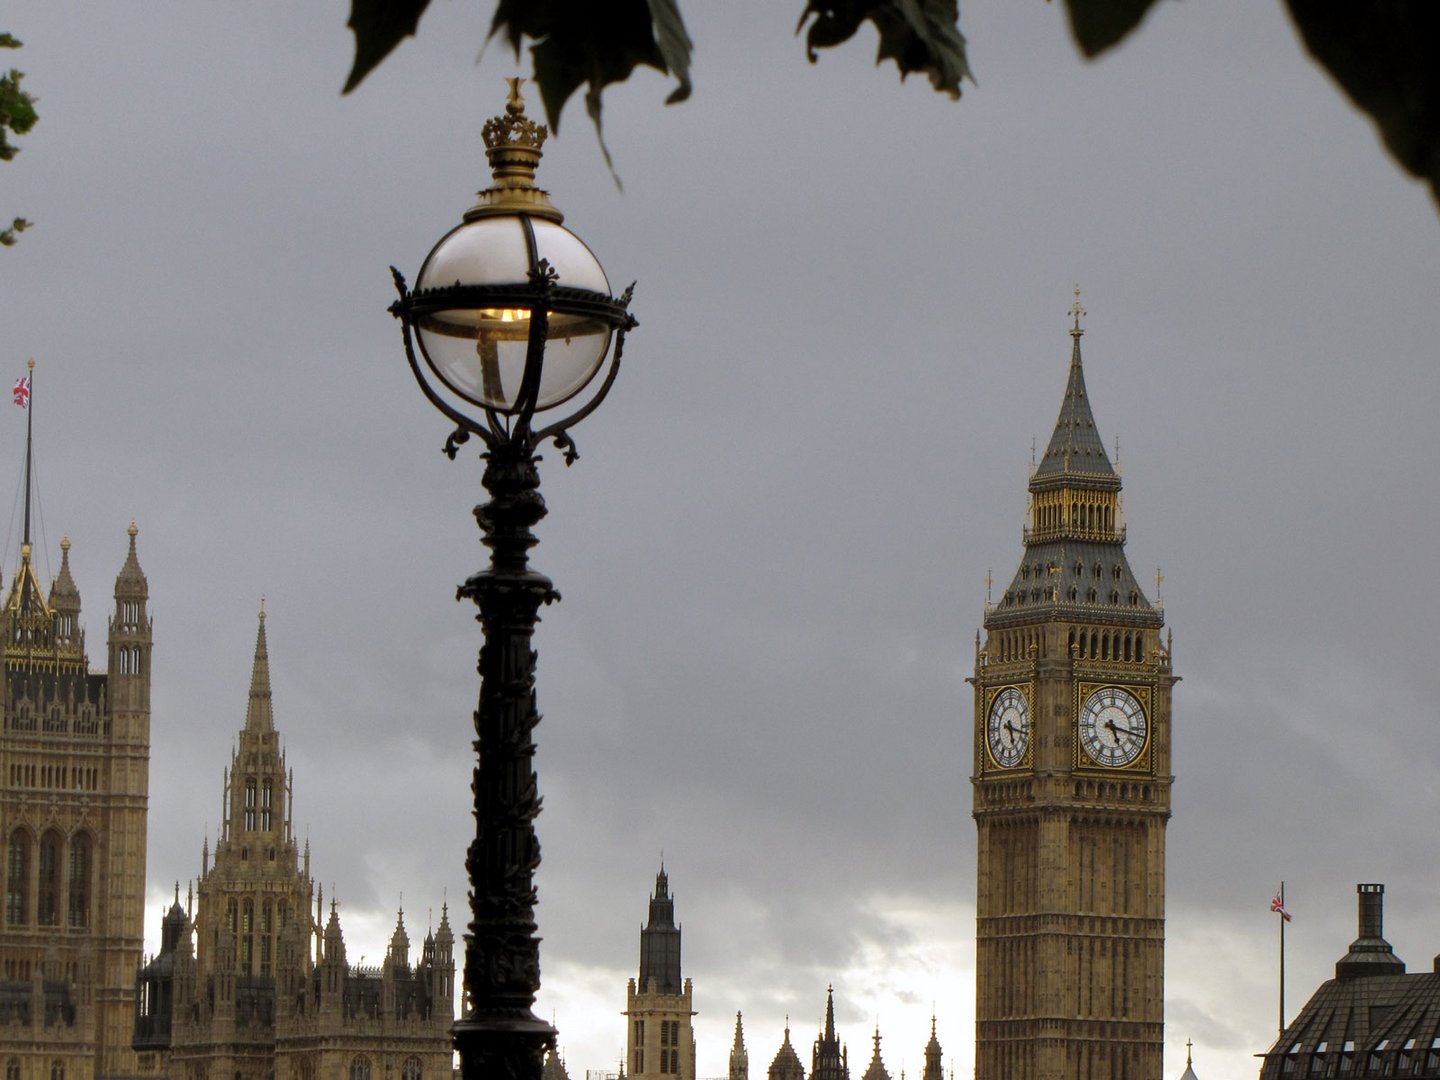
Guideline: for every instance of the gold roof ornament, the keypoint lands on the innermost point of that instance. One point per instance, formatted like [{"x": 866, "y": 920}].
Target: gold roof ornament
[{"x": 513, "y": 144}]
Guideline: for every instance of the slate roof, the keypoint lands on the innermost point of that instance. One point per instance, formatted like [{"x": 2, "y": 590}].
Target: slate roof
[{"x": 1075, "y": 445}]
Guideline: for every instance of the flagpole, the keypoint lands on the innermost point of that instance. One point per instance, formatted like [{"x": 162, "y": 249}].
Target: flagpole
[
  {"x": 29, "y": 441},
  {"x": 1283, "y": 918},
  {"x": 29, "y": 433}
]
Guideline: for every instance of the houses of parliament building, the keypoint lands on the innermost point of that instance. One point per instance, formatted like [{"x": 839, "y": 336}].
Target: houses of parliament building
[{"x": 252, "y": 981}]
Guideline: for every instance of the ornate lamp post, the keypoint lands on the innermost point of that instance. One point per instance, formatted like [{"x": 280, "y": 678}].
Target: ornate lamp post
[{"x": 512, "y": 316}]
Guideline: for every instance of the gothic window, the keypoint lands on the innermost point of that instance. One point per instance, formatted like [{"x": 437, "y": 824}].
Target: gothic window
[
  {"x": 79, "y": 881},
  {"x": 57, "y": 1070},
  {"x": 1099, "y": 571},
  {"x": 232, "y": 911},
  {"x": 17, "y": 877},
  {"x": 135, "y": 660},
  {"x": 413, "y": 1069},
  {"x": 265, "y": 793},
  {"x": 1091, "y": 595},
  {"x": 360, "y": 1068},
  {"x": 250, "y": 805},
  {"x": 1114, "y": 596},
  {"x": 48, "y": 899},
  {"x": 12, "y": 1069}
]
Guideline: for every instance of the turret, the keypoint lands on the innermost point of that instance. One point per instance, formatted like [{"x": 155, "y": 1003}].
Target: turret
[
  {"x": 933, "y": 1069},
  {"x": 442, "y": 971},
  {"x": 65, "y": 604},
  {"x": 130, "y": 641},
  {"x": 739, "y": 1059},
  {"x": 333, "y": 966},
  {"x": 829, "y": 1061}
]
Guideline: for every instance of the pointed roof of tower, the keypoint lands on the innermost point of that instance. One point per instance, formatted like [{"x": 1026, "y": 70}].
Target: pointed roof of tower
[
  {"x": 131, "y": 578},
  {"x": 786, "y": 1065},
  {"x": 739, "y": 1058},
  {"x": 1075, "y": 445},
  {"x": 1189, "y": 1073},
  {"x": 399, "y": 940},
  {"x": 26, "y": 595},
  {"x": 876, "y": 1069},
  {"x": 259, "y": 715},
  {"x": 933, "y": 1069},
  {"x": 830, "y": 1014},
  {"x": 1074, "y": 566},
  {"x": 63, "y": 592}
]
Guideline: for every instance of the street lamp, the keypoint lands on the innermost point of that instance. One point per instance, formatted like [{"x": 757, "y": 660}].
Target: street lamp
[{"x": 512, "y": 316}]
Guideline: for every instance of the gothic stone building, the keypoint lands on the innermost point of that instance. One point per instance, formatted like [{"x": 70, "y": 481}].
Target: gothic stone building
[
  {"x": 1071, "y": 784},
  {"x": 252, "y": 987},
  {"x": 74, "y": 753}
]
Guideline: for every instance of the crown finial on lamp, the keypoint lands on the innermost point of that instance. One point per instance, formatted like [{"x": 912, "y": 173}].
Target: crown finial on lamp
[{"x": 514, "y": 143}]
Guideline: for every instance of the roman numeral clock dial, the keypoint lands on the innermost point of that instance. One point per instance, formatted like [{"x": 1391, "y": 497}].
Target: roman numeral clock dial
[
  {"x": 1007, "y": 729},
  {"x": 1113, "y": 728}
]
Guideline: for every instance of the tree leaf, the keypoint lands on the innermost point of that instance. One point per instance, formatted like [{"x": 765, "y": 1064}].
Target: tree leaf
[
  {"x": 1383, "y": 57},
  {"x": 919, "y": 35},
  {"x": 379, "y": 26},
  {"x": 1097, "y": 25},
  {"x": 585, "y": 43}
]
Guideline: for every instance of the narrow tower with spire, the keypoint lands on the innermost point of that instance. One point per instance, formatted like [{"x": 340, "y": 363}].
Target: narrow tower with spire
[
  {"x": 1071, "y": 783},
  {"x": 269, "y": 988},
  {"x": 658, "y": 1006}
]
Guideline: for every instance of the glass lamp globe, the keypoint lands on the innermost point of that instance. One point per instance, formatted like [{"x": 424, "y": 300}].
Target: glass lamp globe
[{"x": 479, "y": 350}]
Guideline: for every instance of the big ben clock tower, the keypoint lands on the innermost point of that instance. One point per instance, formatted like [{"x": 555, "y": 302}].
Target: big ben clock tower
[{"x": 1071, "y": 784}]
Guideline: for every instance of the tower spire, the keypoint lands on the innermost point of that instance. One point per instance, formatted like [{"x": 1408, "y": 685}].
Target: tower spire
[{"x": 258, "y": 716}]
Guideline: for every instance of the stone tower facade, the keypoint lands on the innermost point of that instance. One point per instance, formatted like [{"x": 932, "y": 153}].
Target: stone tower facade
[
  {"x": 660, "y": 1033},
  {"x": 1071, "y": 784},
  {"x": 74, "y": 757},
  {"x": 257, "y": 985}
]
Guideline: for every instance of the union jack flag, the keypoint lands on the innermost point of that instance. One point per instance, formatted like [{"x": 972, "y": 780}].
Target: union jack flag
[
  {"x": 21, "y": 390},
  {"x": 1278, "y": 905}
]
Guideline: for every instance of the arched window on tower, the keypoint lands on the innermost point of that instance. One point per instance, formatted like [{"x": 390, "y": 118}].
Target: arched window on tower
[
  {"x": 413, "y": 1069},
  {"x": 250, "y": 805},
  {"x": 79, "y": 900},
  {"x": 12, "y": 1069},
  {"x": 265, "y": 798},
  {"x": 360, "y": 1068},
  {"x": 48, "y": 895},
  {"x": 17, "y": 878},
  {"x": 247, "y": 939},
  {"x": 57, "y": 1070}
]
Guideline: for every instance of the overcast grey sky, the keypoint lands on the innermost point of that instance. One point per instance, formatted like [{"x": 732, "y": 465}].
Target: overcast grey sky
[{"x": 773, "y": 551}]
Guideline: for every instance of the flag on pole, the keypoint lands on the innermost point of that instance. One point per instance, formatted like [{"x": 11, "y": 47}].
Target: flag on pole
[
  {"x": 21, "y": 390},
  {"x": 1278, "y": 905}
]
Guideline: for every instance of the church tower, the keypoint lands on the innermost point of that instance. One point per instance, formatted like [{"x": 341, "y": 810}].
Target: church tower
[
  {"x": 661, "y": 1038},
  {"x": 1071, "y": 784},
  {"x": 74, "y": 756}
]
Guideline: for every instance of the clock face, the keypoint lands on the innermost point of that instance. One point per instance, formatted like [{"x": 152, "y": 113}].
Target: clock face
[
  {"x": 1113, "y": 728},
  {"x": 1008, "y": 728}
]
